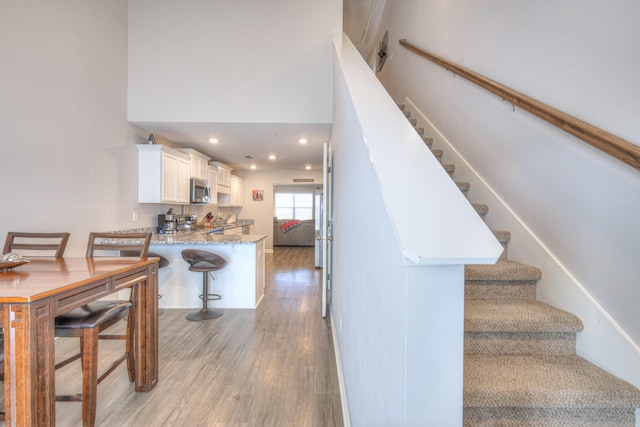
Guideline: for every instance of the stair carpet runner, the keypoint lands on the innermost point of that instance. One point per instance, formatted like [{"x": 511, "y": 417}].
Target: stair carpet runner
[{"x": 520, "y": 364}]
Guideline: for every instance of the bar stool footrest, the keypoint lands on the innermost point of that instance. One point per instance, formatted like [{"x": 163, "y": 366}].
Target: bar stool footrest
[{"x": 211, "y": 297}]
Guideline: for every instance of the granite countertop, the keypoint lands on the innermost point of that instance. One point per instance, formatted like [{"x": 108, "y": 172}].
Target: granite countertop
[
  {"x": 204, "y": 238},
  {"x": 198, "y": 236}
]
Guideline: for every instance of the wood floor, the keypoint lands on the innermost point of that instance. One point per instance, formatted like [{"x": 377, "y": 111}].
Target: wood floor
[{"x": 274, "y": 366}]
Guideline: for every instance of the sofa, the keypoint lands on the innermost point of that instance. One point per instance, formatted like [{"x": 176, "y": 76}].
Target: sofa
[{"x": 287, "y": 232}]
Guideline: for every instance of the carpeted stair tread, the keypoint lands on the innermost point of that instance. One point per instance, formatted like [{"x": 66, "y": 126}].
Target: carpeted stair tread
[
  {"x": 503, "y": 236},
  {"x": 502, "y": 271},
  {"x": 542, "y": 381},
  {"x": 480, "y": 208},
  {"x": 449, "y": 167},
  {"x": 463, "y": 186},
  {"x": 517, "y": 316}
]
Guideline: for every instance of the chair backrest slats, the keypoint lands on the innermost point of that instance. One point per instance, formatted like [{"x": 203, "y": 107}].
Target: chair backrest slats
[
  {"x": 138, "y": 242},
  {"x": 20, "y": 241}
]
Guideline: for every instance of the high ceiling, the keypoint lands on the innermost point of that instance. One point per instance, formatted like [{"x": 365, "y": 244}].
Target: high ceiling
[{"x": 260, "y": 140}]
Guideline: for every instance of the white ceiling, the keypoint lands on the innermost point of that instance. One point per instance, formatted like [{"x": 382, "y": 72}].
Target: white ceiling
[{"x": 259, "y": 140}]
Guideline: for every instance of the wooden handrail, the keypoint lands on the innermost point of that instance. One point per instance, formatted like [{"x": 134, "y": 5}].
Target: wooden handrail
[{"x": 616, "y": 147}]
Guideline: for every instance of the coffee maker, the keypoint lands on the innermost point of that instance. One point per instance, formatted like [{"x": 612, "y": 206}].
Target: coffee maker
[{"x": 167, "y": 223}]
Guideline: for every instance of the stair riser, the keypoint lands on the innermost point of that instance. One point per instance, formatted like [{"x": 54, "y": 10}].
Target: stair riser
[
  {"x": 503, "y": 291},
  {"x": 529, "y": 417},
  {"x": 556, "y": 343},
  {"x": 505, "y": 253}
]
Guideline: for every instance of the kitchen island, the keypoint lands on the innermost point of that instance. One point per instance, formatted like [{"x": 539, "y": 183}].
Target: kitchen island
[{"x": 240, "y": 283}]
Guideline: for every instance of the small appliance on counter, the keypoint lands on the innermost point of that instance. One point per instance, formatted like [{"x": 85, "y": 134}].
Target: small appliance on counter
[
  {"x": 167, "y": 223},
  {"x": 187, "y": 221}
]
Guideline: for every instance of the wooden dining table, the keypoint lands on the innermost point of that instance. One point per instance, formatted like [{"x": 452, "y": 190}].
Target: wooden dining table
[{"x": 33, "y": 294}]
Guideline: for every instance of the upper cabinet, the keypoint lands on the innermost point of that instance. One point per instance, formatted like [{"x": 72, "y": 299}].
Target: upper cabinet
[
  {"x": 213, "y": 180},
  {"x": 235, "y": 196},
  {"x": 224, "y": 178},
  {"x": 163, "y": 175},
  {"x": 199, "y": 163},
  {"x": 237, "y": 190}
]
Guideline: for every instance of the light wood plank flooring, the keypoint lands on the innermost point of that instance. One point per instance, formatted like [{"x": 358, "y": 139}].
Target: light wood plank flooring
[{"x": 274, "y": 366}]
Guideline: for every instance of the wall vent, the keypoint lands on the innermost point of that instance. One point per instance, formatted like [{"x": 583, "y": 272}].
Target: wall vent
[{"x": 302, "y": 179}]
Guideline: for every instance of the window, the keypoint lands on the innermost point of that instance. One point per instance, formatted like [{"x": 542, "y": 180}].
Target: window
[{"x": 294, "y": 206}]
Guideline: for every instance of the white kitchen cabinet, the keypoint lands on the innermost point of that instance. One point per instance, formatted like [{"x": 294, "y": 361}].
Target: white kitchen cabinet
[
  {"x": 163, "y": 175},
  {"x": 224, "y": 178},
  {"x": 199, "y": 163},
  {"x": 237, "y": 191},
  {"x": 213, "y": 179}
]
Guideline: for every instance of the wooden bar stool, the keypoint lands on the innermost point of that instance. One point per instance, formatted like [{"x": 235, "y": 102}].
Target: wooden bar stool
[{"x": 206, "y": 263}]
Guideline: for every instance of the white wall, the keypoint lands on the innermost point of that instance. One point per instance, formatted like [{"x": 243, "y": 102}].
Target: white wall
[
  {"x": 369, "y": 281},
  {"x": 68, "y": 159},
  {"x": 230, "y": 61},
  {"x": 262, "y": 212},
  {"x": 580, "y": 205}
]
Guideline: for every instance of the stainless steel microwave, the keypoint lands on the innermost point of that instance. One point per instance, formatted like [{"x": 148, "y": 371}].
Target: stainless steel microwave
[{"x": 200, "y": 192}]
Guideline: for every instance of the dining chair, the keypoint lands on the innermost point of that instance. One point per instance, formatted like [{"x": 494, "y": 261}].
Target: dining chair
[
  {"x": 88, "y": 321},
  {"x": 30, "y": 242},
  {"x": 54, "y": 244},
  {"x": 2, "y": 368}
]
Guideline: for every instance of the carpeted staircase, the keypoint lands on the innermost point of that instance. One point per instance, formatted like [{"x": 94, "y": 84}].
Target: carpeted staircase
[{"x": 520, "y": 366}]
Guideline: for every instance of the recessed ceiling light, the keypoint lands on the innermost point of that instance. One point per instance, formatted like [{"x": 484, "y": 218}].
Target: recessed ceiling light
[
  {"x": 272, "y": 157},
  {"x": 302, "y": 141},
  {"x": 308, "y": 167},
  {"x": 213, "y": 140},
  {"x": 253, "y": 166}
]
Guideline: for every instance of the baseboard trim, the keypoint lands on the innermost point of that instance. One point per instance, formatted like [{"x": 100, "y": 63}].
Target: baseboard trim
[{"x": 343, "y": 392}]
